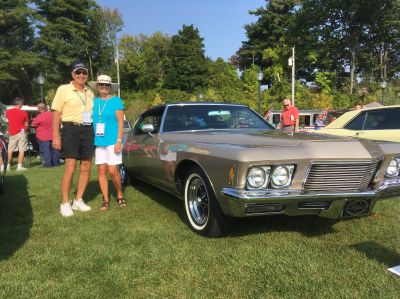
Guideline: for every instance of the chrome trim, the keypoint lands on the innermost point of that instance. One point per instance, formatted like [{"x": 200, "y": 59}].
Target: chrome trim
[
  {"x": 291, "y": 194},
  {"x": 387, "y": 184}
]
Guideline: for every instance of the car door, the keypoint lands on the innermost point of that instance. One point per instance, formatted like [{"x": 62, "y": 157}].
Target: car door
[{"x": 142, "y": 148}]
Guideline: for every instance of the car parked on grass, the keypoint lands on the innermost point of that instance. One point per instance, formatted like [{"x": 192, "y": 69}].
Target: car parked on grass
[
  {"x": 379, "y": 123},
  {"x": 225, "y": 161}
]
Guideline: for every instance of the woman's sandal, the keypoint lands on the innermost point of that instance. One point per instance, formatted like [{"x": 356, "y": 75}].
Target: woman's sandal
[
  {"x": 104, "y": 206},
  {"x": 121, "y": 202}
]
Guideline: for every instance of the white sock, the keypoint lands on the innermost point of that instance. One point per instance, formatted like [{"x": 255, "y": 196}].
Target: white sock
[{"x": 19, "y": 165}]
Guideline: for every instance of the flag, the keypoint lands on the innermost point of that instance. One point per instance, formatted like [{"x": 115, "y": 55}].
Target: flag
[{"x": 268, "y": 112}]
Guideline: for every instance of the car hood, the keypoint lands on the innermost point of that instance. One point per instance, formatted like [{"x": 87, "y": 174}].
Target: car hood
[
  {"x": 251, "y": 138},
  {"x": 259, "y": 144}
]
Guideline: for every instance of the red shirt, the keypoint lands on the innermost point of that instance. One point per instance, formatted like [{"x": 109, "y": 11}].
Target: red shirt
[
  {"x": 289, "y": 116},
  {"x": 16, "y": 120},
  {"x": 44, "y": 126}
]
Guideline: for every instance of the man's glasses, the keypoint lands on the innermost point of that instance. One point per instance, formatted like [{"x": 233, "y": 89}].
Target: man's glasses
[
  {"x": 104, "y": 84},
  {"x": 287, "y": 105},
  {"x": 81, "y": 73}
]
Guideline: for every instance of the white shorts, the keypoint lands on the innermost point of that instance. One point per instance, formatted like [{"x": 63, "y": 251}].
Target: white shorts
[{"x": 106, "y": 155}]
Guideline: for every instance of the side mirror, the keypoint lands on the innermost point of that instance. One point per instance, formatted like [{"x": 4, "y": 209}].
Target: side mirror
[{"x": 148, "y": 128}]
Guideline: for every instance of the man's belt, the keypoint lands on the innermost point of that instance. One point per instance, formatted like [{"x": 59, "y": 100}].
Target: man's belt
[{"x": 71, "y": 123}]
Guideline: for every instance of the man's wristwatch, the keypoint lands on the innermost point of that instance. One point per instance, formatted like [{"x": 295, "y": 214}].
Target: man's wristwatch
[{"x": 120, "y": 140}]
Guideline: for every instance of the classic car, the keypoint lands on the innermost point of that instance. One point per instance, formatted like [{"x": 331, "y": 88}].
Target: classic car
[
  {"x": 379, "y": 123},
  {"x": 225, "y": 161}
]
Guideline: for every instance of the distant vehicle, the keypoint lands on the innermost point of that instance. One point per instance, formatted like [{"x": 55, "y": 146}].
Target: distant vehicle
[
  {"x": 306, "y": 119},
  {"x": 225, "y": 160},
  {"x": 380, "y": 123}
]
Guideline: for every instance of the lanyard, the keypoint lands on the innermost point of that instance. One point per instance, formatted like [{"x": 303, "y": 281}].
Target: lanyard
[
  {"x": 101, "y": 111},
  {"x": 83, "y": 102}
]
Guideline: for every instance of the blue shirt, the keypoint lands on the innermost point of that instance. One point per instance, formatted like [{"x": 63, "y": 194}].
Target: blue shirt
[{"x": 104, "y": 111}]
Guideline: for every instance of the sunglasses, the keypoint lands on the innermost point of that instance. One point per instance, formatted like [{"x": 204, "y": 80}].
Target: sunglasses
[
  {"x": 104, "y": 84},
  {"x": 81, "y": 73},
  {"x": 286, "y": 105}
]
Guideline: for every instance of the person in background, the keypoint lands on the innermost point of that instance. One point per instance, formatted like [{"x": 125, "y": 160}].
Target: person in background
[
  {"x": 17, "y": 129},
  {"x": 319, "y": 122},
  {"x": 108, "y": 125},
  {"x": 44, "y": 135},
  {"x": 289, "y": 117},
  {"x": 72, "y": 113},
  {"x": 358, "y": 106}
]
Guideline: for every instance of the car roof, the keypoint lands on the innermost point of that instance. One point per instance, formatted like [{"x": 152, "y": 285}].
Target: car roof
[{"x": 198, "y": 103}]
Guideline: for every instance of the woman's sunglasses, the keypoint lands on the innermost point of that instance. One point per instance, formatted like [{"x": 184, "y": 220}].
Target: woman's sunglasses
[
  {"x": 104, "y": 84},
  {"x": 81, "y": 73}
]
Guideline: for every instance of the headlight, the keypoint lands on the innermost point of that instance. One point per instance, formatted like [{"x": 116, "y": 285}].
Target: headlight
[
  {"x": 257, "y": 177},
  {"x": 394, "y": 168},
  {"x": 282, "y": 176}
]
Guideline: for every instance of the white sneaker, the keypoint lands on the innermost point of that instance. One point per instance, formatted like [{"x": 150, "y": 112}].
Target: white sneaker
[
  {"x": 2, "y": 168},
  {"x": 21, "y": 168},
  {"x": 66, "y": 210},
  {"x": 79, "y": 205}
]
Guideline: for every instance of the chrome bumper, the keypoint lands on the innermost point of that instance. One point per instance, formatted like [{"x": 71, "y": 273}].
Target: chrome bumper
[{"x": 293, "y": 202}]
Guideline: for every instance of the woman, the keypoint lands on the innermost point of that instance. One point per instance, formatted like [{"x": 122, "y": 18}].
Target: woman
[{"x": 108, "y": 124}]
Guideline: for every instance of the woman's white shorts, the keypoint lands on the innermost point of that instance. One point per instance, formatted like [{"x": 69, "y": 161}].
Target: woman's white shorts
[{"x": 106, "y": 155}]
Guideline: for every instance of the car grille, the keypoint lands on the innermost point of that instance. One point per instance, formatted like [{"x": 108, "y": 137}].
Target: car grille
[{"x": 332, "y": 176}]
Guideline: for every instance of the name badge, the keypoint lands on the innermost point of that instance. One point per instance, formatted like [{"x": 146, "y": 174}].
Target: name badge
[
  {"x": 292, "y": 117},
  {"x": 87, "y": 119},
  {"x": 100, "y": 128}
]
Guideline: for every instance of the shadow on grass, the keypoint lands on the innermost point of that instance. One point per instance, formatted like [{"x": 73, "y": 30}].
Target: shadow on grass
[
  {"x": 307, "y": 225},
  {"x": 16, "y": 215},
  {"x": 377, "y": 252},
  {"x": 161, "y": 197}
]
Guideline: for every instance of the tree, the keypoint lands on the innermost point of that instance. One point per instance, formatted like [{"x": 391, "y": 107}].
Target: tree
[
  {"x": 142, "y": 61},
  {"x": 70, "y": 30},
  {"x": 113, "y": 23},
  {"x": 18, "y": 61},
  {"x": 272, "y": 26},
  {"x": 185, "y": 66},
  {"x": 223, "y": 82}
]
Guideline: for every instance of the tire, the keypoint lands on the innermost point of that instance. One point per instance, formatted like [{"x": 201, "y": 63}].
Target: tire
[
  {"x": 125, "y": 178},
  {"x": 1, "y": 184},
  {"x": 203, "y": 213}
]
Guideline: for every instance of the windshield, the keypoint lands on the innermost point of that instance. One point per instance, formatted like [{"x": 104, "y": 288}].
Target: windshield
[{"x": 203, "y": 117}]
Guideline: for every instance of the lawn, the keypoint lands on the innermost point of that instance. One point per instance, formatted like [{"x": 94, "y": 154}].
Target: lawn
[{"x": 146, "y": 250}]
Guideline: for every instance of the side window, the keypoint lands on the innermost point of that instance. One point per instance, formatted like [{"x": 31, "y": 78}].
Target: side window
[
  {"x": 385, "y": 119},
  {"x": 357, "y": 123},
  {"x": 152, "y": 118}
]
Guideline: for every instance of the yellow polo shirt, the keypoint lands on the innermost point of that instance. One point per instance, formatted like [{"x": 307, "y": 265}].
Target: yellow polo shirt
[{"x": 71, "y": 103}]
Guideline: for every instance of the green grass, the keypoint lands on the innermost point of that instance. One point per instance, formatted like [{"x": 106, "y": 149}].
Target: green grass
[{"x": 146, "y": 250}]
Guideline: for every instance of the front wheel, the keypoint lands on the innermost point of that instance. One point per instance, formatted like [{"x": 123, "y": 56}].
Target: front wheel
[
  {"x": 202, "y": 209},
  {"x": 125, "y": 179}
]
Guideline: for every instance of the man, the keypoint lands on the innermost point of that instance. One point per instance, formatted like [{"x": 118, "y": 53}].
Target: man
[
  {"x": 289, "y": 117},
  {"x": 17, "y": 126},
  {"x": 44, "y": 135},
  {"x": 319, "y": 122},
  {"x": 72, "y": 106}
]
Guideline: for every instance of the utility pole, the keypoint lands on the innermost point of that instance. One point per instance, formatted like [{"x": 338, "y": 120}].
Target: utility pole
[{"x": 293, "y": 74}]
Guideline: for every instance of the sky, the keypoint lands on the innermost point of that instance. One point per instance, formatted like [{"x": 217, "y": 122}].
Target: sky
[{"x": 220, "y": 22}]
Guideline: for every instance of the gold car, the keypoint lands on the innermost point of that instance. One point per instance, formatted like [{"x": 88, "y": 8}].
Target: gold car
[
  {"x": 382, "y": 123},
  {"x": 226, "y": 161}
]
